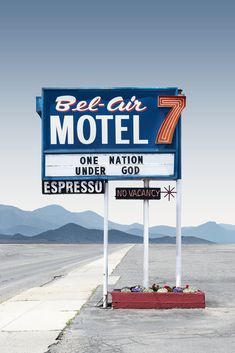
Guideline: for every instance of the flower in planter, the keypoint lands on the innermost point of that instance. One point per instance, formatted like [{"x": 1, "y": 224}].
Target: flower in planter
[
  {"x": 190, "y": 290},
  {"x": 162, "y": 290},
  {"x": 137, "y": 288},
  {"x": 155, "y": 287},
  {"x": 169, "y": 289},
  {"x": 177, "y": 290},
  {"x": 148, "y": 290},
  {"x": 125, "y": 289}
]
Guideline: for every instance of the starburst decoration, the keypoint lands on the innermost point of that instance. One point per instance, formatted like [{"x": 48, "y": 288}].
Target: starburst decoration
[{"x": 169, "y": 192}]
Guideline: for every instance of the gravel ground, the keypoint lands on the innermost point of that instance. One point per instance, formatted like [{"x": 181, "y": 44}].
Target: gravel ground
[{"x": 208, "y": 267}]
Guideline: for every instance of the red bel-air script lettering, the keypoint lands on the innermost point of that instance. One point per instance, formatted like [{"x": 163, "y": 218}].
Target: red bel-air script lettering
[{"x": 66, "y": 103}]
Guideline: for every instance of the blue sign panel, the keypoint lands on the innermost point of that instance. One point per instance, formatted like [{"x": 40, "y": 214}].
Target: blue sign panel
[{"x": 107, "y": 134}]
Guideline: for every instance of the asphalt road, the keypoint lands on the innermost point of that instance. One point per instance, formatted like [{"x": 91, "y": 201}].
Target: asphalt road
[
  {"x": 26, "y": 266},
  {"x": 210, "y": 268}
]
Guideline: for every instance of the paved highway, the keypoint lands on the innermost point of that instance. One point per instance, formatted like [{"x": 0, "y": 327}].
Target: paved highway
[{"x": 26, "y": 266}]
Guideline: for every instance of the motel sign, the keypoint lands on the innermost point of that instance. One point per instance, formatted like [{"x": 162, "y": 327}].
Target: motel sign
[
  {"x": 110, "y": 134},
  {"x": 91, "y": 136}
]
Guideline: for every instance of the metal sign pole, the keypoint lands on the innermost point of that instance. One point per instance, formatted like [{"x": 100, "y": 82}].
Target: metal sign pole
[
  {"x": 105, "y": 273},
  {"x": 146, "y": 239},
  {"x": 178, "y": 232}
]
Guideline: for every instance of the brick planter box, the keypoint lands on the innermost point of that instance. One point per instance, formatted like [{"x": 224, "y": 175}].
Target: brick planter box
[{"x": 133, "y": 300}]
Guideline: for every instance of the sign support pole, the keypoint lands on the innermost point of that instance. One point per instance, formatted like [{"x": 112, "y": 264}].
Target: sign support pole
[
  {"x": 105, "y": 270},
  {"x": 178, "y": 232},
  {"x": 146, "y": 238}
]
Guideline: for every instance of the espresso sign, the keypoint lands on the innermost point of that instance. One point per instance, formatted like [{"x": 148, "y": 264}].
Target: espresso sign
[
  {"x": 72, "y": 187},
  {"x": 103, "y": 134},
  {"x": 138, "y": 193}
]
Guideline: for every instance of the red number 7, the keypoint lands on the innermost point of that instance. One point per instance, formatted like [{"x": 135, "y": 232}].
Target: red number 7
[{"x": 167, "y": 129}]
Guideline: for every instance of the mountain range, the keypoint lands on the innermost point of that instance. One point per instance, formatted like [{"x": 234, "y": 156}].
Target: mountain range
[
  {"x": 73, "y": 233},
  {"x": 17, "y": 223}
]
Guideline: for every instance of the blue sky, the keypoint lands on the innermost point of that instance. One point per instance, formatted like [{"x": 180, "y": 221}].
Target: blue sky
[{"x": 105, "y": 44}]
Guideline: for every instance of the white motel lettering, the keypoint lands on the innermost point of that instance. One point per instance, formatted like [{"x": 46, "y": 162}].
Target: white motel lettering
[{"x": 63, "y": 132}]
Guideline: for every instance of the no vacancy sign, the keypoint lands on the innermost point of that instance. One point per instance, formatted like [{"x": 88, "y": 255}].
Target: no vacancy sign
[{"x": 108, "y": 134}]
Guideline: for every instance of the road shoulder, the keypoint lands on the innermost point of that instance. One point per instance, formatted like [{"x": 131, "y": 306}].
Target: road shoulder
[{"x": 34, "y": 319}]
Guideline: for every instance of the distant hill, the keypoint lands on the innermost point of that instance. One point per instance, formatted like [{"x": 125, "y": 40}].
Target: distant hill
[
  {"x": 14, "y": 220},
  {"x": 211, "y": 231},
  {"x": 23, "y": 229},
  {"x": 228, "y": 226},
  {"x": 73, "y": 233}
]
